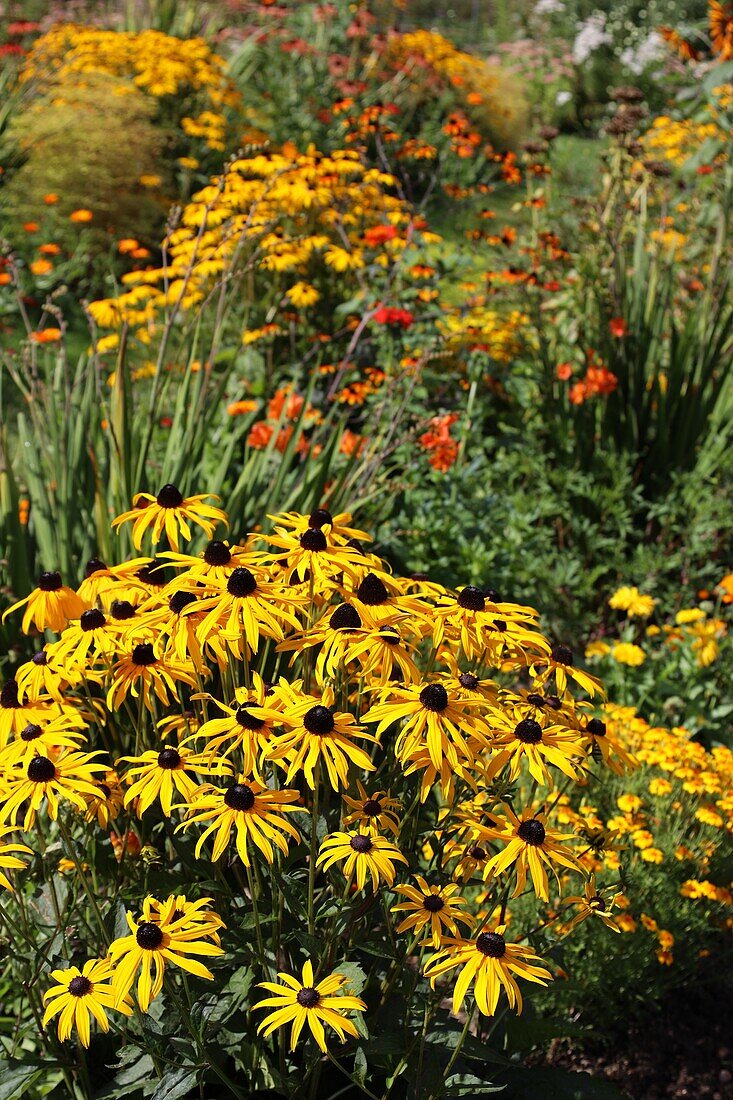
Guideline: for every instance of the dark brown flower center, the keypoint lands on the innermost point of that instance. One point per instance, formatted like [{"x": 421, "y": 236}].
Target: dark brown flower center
[
  {"x": 361, "y": 843},
  {"x": 528, "y": 731},
  {"x": 41, "y": 770},
  {"x": 372, "y": 591},
  {"x": 319, "y": 720},
  {"x": 179, "y": 600},
  {"x": 313, "y": 539},
  {"x": 471, "y": 598},
  {"x": 434, "y": 697},
  {"x": 491, "y": 944},
  {"x": 371, "y": 807},
  {"x": 319, "y": 517},
  {"x": 468, "y": 680},
  {"x": 239, "y": 797},
  {"x": 31, "y": 732},
  {"x": 148, "y": 936},
  {"x": 345, "y": 617},
  {"x": 170, "y": 497},
  {"x": 154, "y": 573},
  {"x": 40, "y": 658},
  {"x": 143, "y": 654},
  {"x": 247, "y": 720},
  {"x": 241, "y": 583},
  {"x": 562, "y": 655},
  {"x": 122, "y": 610},
  {"x": 308, "y": 997},
  {"x": 596, "y": 727},
  {"x": 433, "y": 903},
  {"x": 217, "y": 553},
  {"x": 78, "y": 987},
  {"x": 92, "y": 619},
  {"x": 532, "y": 832},
  {"x": 597, "y": 902},
  {"x": 9, "y": 695},
  {"x": 50, "y": 582},
  {"x": 94, "y": 565},
  {"x": 169, "y": 759},
  {"x": 477, "y": 852}
]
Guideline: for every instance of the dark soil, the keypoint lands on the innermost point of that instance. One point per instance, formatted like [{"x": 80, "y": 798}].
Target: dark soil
[{"x": 684, "y": 1049}]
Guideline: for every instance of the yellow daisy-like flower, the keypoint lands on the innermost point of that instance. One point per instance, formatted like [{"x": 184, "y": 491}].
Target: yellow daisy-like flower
[
  {"x": 315, "y": 731},
  {"x": 361, "y": 854},
  {"x": 491, "y": 964},
  {"x": 254, "y": 811},
  {"x": 159, "y": 775},
  {"x": 531, "y": 845},
  {"x": 159, "y": 938},
  {"x": 436, "y": 906},
  {"x": 48, "y": 607},
  {"x": 382, "y": 653},
  {"x": 44, "y": 737},
  {"x": 301, "y": 1001},
  {"x": 106, "y": 803},
  {"x": 42, "y": 676},
  {"x": 17, "y": 713},
  {"x": 243, "y": 729},
  {"x": 9, "y": 860},
  {"x": 68, "y": 775},
  {"x": 171, "y": 512},
  {"x": 83, "y": 642},
  {"x": 629, "y": 599},
  {"x": 626, "y": 653},
  {"x": 143, "y": 671},
  {"x": 603, "y": 744},
  {"x": 560, "y": 663},
  {"x": 372, "y": 812},
  {"x": 81, "y": 994},
  {"x": 485, "y": 626},
  {"x": 317, "y": 555},
  {"x": 592, "y": 903},
  {"x": 445, "y": 725},
  {"x": 522, "y": 735},
  {"x": 250, "y": 606}
]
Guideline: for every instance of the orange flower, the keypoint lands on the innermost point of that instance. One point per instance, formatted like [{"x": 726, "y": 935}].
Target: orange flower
[
  {"x": 240, "y": 408},
  {"x": 563, "y": 371},
  {"x": 578, "y": 393},
  {"x": 721, "y": 29},
  {"x": 127, "y": 244},
  {"x": 260, "y": 435},
  {"x": 437, "y": 441},
  {"x": 31, "y": 227},
  {"x": 81, "y": 216},
  {"x": 50, "y": 198},
  {"x": 284, "y": 398},
  {"x": 49, "y": 249},
  {"x": 351, "y": 443},
  {"x": 5, "y": 278},
  {"x": 41, "y": 267},
  {"x": 46, "y": 336}
]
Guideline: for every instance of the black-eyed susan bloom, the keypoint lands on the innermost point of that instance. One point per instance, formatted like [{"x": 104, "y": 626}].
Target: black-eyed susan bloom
[
  {"x": 80, "y": 995},
  {"x": 170, "y": 512},
  {"x": 315, "y": 731},
  {"x": 592, "y": 903},
  {"x": 372, "y": 812},
  {"x": 106, "y": 804},
  {"x": 43, "y": 676},
  {"x": 602, "y": 743},
  {"x": 243, "y": 729},
  {"x": 249, "y": 607},
  {"x": 49, "y": 606},
  {"x": 560, "y": 663},
  {"x": 448, "y": 727},
  {"x": 64, "y": 776},
  {"x": 44, "y": 737},
  {"x": 361, "y": 854},
  {"x": 435, "y": 909},
  {"x": 154, "y": 944},
  {"x": 162, "y": 775},
  {"x": 528, "y": 736},
  {"x": 531, "y": 846},
  {"x": 314, "y": 554},
  {"x": 10, "y": 851},
  {"x": 82, "y": 642},
  {"x": 300, "y": 1001},
  {"x": 483, "y": 626},
  {"x": 256, "y": 813},
  {"x": 491, "y": 964},
  {"x": 144, "y": 672}
]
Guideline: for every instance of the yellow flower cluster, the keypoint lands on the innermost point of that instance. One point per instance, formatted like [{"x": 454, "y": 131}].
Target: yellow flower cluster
[
  {"x": 677, "y": 140},
  {"x": 288, "y": 213},
  {"x": 479, "y": 328},
  {"x": 162, "y": 66}
]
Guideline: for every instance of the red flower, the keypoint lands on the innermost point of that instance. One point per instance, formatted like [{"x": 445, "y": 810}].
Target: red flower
[
  {"x": 618, "y": 327},
  {"x": 563, "y": 371},
  {"x": 379, "y": 234},
  {"x": 390, "y": 315}
]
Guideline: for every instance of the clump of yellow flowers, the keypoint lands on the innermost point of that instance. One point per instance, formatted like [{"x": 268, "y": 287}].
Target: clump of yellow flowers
[{"x": 260, "y": 747}]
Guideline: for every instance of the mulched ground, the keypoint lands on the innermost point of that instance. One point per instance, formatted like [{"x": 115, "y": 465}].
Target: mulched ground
[{"x": 685, "y": 1049}]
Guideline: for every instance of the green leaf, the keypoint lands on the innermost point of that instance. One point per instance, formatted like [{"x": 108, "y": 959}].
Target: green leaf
[
  {"x": 16, "y": 1078},
  {"x": 176, "y": 1084}
]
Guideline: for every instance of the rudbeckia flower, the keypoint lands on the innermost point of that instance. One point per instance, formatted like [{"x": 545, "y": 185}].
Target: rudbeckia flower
[
  {"x": 51, "y": 732},
  {"x": 446, "y": 726},
  {"x": 361, "y": 854},
  {"x": 436, "y": 909},
  {"x": 372, "y": 812},
  {"x": 602, "y": 743},
  {"x": 157, "y": 939},
  {"x": 531, "y": 845},
  {"x": 242, "y": 730},
  {"x": 526, "y": 735},
  {"x": 42, "y": 676},
  {"x": 560, "y": 662},
  {"x": 315, "y": 731},
  {"x": 81, "y": 994},
  {"x": 316, "y": 555},
  {"x": 49, "y": 607},
  {"x": 67, "y": 775},
  {"x": 159, "y": 775},
  {"x": 591, "y": 903},
  {"x": 254, "y": 811},
  {"x": 171, "y": 512},
  {"x": 484, "y": 626},
  {"x": 248, "y": 607},
  {"x": 17, "y": 713},
  {"x": 83, "y": 642},
  {"x": 491, "y": 964},
  {"x": 143, "y": 671},
  {"x": 302, "y": 1001}
]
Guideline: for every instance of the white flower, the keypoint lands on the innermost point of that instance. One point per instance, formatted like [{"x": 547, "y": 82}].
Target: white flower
[
  {"x": 548, "y": 7},
  {"x": 562, "y": 98},
  {"x": 591, "y": 36},
  {"x": 636, "y": 58}
]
